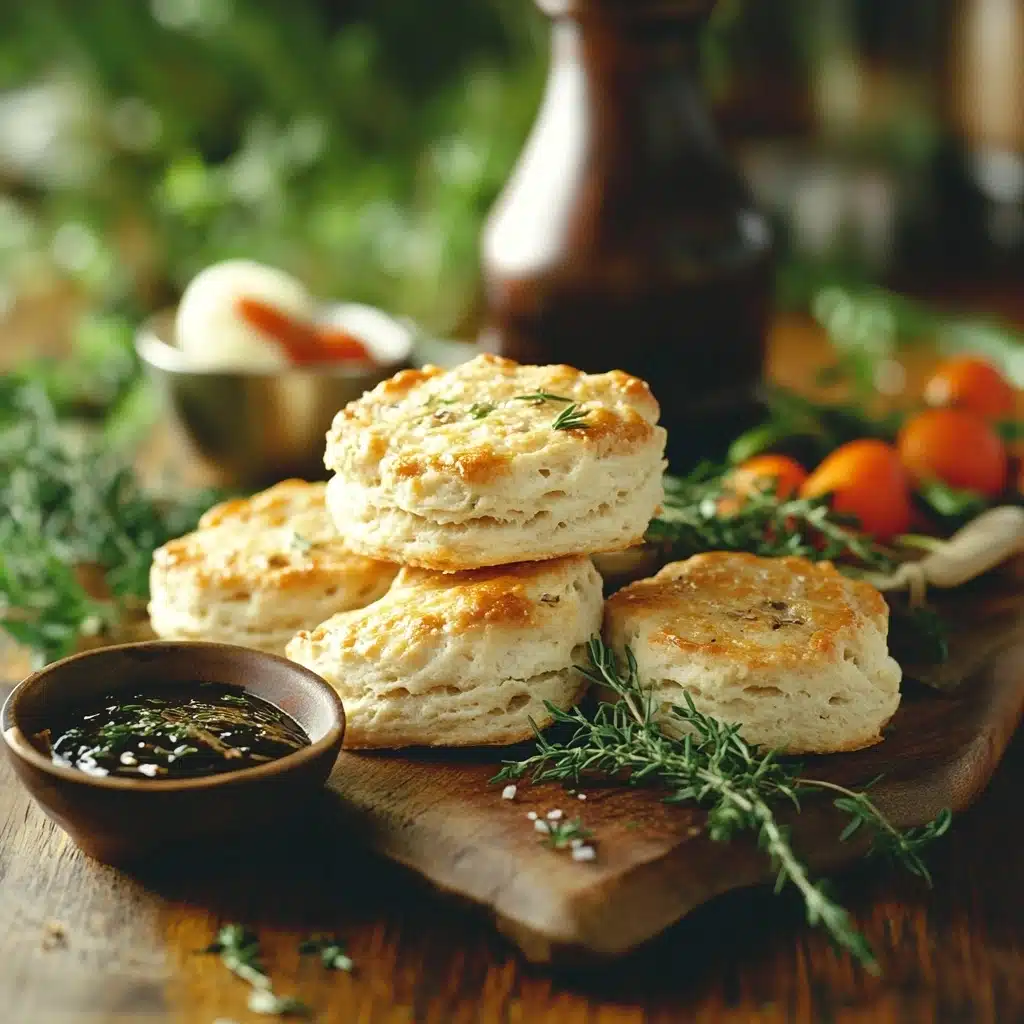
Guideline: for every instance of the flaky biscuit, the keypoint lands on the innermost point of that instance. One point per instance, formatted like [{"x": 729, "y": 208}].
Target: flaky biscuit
[
  {"x": 259, "y": 569},
  {"x": 459, "y": 659},
  {"x": 466, "y": 468},
  {"x": 793, "y": 651}
]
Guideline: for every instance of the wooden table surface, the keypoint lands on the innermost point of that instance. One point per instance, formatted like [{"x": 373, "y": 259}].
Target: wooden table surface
[{"x": 85, "y": 944}]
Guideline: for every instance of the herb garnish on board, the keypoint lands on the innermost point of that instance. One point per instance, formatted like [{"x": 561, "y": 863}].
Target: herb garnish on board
[
  {"x": 692, "y": 521},
  {"x": 738, "y": 785},
  {"x": 241, "y": 954}
]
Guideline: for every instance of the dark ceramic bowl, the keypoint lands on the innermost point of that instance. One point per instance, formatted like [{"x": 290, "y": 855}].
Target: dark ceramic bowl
[{"x": 118, "y": 820}]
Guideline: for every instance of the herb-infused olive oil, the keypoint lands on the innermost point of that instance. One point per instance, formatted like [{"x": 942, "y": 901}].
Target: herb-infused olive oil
[{"x": 175, "y": 732}]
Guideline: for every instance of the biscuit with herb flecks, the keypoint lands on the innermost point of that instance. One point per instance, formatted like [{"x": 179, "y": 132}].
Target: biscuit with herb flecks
[
  {"x": 458, "y": 659},
  {"x": 493, "y": 463},
  {"x": 259, "y": 569},
  {"x": 791, "y": 650}
]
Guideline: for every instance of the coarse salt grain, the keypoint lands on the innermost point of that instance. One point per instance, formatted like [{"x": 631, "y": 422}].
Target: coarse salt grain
[
  {"x": 581, "y": 796},
  {"x": 532, "y": 815},
  {"x": 508, "y": 793},
  {"x": 584, "y": 853},
  {"x": 555, "y": 815},
  {"x": 541, "y": 826},
  {"x": 576, "y": 843},
  {"x": 128, "y": 758},
  {"x": 148, "y": 769}
]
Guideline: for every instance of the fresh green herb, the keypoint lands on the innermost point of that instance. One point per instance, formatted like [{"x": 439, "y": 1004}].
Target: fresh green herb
[
  {"x": 572, "y": 417},
  {"x": 478, "y": 410},
  {"x": 202, "y": 732},
  {"x": 300, "y": 543},
  {"x": 563, "y": 833},
  {"x": 72, "y": 505},
  {"x": 331, "y": 951},
  {"x": 540, "y": 397},
  {"x": 692, "y": 521},
  {"x": 955, "y": 507},
  {"x": 240, "y": 953},
  {"x": 713, "y": 767},
  {"x": 817, "y": 428},
  {"x": 1010, "y": 430}
]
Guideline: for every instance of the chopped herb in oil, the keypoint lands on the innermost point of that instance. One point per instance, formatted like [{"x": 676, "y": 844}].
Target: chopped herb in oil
[{"x": 179, "y": 732}]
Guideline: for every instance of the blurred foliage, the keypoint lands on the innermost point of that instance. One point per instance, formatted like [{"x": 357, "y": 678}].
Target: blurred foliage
[{"x": 357, "y": 145}]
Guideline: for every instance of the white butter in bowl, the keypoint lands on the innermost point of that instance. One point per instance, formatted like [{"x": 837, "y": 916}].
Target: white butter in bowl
[{"x": 240, "y": 316}]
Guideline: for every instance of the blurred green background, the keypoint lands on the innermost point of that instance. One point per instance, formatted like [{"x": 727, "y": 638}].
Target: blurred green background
[{"x": 360, "y": 144}]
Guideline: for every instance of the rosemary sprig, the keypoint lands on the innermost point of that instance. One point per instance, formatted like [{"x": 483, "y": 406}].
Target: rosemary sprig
[
  {"x": 240, "y": 953},
  {"x": 692, "y": 521},
  {"x": 712, "y": 766},
  {"x": 478, "y": 410},
  {"x": 540, "y": 397},
  {"x": 572, "y": 417}
]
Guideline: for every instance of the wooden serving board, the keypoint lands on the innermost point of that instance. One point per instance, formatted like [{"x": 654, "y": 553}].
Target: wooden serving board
[{"x": 438, "y": 814}]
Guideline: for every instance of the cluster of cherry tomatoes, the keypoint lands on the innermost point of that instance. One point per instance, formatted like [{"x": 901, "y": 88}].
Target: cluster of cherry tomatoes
[{"x": 953, "y": 441}]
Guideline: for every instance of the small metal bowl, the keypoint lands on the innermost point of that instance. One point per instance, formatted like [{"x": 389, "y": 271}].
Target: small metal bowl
[
  {"x": 119, "y": 820},
  {"x": 255, "y": 428}
]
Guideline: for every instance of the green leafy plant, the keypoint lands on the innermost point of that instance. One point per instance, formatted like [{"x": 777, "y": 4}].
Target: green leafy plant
[
  {"x": 737, "y": 784},
  {"x": 75, "y": 509}
]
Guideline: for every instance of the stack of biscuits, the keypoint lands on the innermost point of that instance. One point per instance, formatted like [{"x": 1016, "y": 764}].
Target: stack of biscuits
[
  {"x": 454, "y": 541},
  {"x": 442, "y": 580}
]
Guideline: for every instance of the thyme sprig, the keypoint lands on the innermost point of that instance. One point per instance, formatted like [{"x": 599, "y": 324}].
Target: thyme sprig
[
  {"x": 241, "y": 954},
  {"x": 540, "y": 397},
  {"x": 693, "y": 520},
  {"x": 572, "y": 417},
  {"x": 711, "y": 766}
]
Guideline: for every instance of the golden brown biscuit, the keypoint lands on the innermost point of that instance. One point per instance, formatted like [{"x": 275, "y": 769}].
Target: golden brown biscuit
[
  {"x": 793, "y": 651},
  {"x": 470, "y": 467},
  {"x": 455, "y": 659},
  {"x": 259, "y": 569}
]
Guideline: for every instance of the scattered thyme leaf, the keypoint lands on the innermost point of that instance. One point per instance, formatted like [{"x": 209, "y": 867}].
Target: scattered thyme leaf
[
  {"x": 478, "y": 410},
  {"x": 736, "y": 783},
  {"x": 240, "y": 952},
  {"x": 300, "y": 543},
  {"x": 540, "y": 397},
  {"x": 561, "y": 833},
  {"x": 331, "y": 950},
  {"x": 572, "y": 417}
]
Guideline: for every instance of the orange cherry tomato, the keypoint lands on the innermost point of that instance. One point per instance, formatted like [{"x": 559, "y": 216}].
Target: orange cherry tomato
[
  {"x": 764, "y": 471},
  {"x": 954, "y": 446},
  {"x": 867, "y": 481},
  {"x": 972, "y": 383}
]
